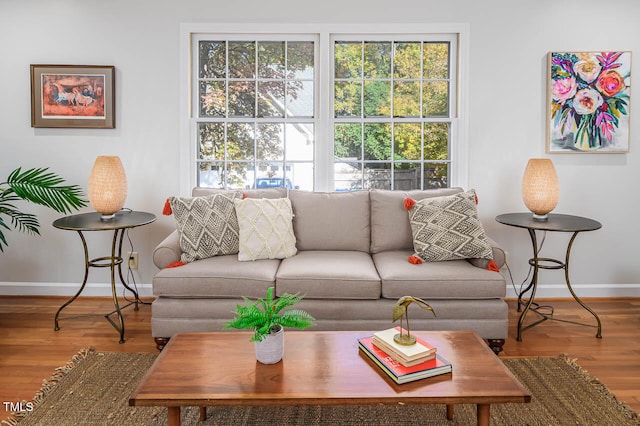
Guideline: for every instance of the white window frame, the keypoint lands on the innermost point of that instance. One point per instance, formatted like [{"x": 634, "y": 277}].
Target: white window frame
[{"x": 324, "y": 159}]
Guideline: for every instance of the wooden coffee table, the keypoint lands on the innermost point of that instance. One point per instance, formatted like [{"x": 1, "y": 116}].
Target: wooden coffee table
[{"x": 319, "y": 368}]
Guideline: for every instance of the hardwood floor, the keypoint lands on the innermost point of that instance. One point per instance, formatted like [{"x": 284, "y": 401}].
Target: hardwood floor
[{"x": 30, "y": 350}]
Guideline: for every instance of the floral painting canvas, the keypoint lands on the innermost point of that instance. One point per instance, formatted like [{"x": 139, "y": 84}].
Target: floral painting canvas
[{"x": 589, "y": 102}]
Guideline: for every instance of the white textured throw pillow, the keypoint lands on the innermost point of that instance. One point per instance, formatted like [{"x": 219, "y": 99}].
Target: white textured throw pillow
[
  {"x": 207, "y": 225},
  {"x": 266, "y": 229},
  {"x": 448, "y": 228}
]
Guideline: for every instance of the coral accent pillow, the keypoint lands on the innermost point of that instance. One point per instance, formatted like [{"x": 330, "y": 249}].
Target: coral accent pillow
[
  {"x": 207, "y": 225},
  {"x": 447, "y": 228},
  {"x": 266, "y": 229}
]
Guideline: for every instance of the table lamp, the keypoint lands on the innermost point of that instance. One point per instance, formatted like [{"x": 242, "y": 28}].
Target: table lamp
[
  {"x": 107, "y": 186},
  {"x": 540, "y": 187}
]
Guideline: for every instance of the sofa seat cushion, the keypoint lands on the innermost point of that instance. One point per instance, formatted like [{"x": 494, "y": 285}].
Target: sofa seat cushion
[
  {"x": 319, "y": 274},
  {"x": 451, "y": 279},
  {"x": 217, "y": 277}
]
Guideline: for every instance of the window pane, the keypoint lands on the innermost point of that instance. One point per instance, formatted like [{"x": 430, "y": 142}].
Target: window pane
[
  {"x": 240, "y": 141},
  {"x": 436, "y": 60},
  {"x": 271, "y": 99},
  {"x": 406, "y": 62},
  {"x": 435, "y": 99},
  {"x": 407, "y": 140},
  {"x": 348, "y": 141},
  {"x": 211, "y": 141},
  {"x": 299, "y": 176},
  {"x": 211, "y": 174},
  {"x": 436, "y": 175},
  {"x": 299, "y": 145},
  {"x": 406, "y": 99},
  {"x": 242, "y": 59},
  {"x": 212, "y": 59},
  {"x": 407, "y": 176},
  {"x": 271, "y": 59},
  {"x": 347, "y": 102},
  {"x": 377, "y": 98},
  {"x": 300, "y": 59},
  {"x": 242, "y": 98},
  {"x": 377, "y": 60},
  {"x": 377, "y": 141},
  {"x": 212, "y": 99},
  {"x": 377, "y": 176},
  {"x": 348, "y": 59},
  {"x": 436, "y": 141},
  {"x": 299, "y": 98},
  {"x": 270, "y": 141},
  {"x": 347, "y": 176},
  {"x": 238, "y": 174}
]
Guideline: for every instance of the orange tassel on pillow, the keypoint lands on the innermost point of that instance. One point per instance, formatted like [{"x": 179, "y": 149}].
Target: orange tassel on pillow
[
  {"x": 245, "y": 195},
  {"x": 167, "y": 208},
  {"x": 493, "y": 266},
  {"x": 408, "y": 203},
  {"x": 175, "y": 264},
  {"x": 476, "y": 196},
  {"x": 415, "y": 260}
]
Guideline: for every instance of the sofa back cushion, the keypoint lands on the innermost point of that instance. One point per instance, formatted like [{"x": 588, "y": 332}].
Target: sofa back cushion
[
  {"x": 390, "y": 228},
  {"x": 331, "y": 220},
  {"x": 251, "y": 193}
]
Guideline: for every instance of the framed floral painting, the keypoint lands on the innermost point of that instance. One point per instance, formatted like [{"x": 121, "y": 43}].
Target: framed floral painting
[
  {"x": 588, "y": 102},
  {"x": 73, "y": 96}
]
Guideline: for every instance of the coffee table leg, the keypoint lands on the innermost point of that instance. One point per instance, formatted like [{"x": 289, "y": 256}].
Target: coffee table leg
[
  {"x": 449, "y": 411},
  {"x": 173, "y": 416},
  {"x": 203, "y": 414},
  {"x": 483, "y": 413}
]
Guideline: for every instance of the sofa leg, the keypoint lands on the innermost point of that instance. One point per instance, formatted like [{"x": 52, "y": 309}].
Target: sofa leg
[
  {"x": 496, "y": 345},
  {"x": 161, "y": 342}
]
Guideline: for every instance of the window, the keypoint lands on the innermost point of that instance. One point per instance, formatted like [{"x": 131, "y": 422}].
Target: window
[
  {"x": 326, "y": 110},
  {"x": 392, "y": 106},
  {"x": 255, "y": 112}
]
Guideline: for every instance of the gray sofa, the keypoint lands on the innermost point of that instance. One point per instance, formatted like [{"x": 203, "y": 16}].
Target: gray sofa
[{"x": 351, "y": 265}]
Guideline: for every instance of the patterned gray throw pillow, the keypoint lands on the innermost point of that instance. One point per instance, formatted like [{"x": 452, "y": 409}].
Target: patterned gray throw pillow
[
  {"x": 448, "y": 228},
  {"x": 207, "y": 226}
]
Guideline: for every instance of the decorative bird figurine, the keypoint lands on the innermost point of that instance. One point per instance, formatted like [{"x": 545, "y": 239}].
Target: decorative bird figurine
[{"x": 400, "y": 311}]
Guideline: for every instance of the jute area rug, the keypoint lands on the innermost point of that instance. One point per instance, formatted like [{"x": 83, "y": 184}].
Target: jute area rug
[{"x": 94, "y": 388}]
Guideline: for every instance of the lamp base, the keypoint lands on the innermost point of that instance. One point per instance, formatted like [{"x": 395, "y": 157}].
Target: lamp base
[
  {"x": 107, "y": 216},
  {"x": 540, "y": 217}
]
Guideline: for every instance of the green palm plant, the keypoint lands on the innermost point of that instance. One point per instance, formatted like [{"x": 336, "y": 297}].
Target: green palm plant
[
  {"x": 38, "y": 186},
  {"x": 265, "y": 315}
]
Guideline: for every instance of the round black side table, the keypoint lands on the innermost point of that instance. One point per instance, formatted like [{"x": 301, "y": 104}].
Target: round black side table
[
  {"x": 555, "y": 223},
  {"x": 92, "y": 222}
]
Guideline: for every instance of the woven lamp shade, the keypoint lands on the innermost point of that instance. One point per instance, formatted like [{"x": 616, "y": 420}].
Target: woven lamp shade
[
  {"x": 107, "y": 186},
  {"x": 540, "y": 187}
]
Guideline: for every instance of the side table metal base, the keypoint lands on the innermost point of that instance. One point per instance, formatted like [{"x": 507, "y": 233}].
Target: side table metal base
[{"x": 112, "y": 262}]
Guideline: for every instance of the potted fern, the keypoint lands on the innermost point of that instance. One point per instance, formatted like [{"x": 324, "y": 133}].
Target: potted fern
[
  {"x": 38, "y": 186},
  {"x": 267, "y": 318}
]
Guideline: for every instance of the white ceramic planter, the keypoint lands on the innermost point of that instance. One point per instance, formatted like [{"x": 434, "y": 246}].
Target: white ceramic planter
[{"x": 271, "y": 349}]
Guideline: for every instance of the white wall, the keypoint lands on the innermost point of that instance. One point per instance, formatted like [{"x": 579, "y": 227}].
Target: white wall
[{"x": 509, "y": 43}]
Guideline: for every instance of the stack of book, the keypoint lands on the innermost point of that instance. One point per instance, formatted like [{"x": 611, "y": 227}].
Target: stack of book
[
  {"x": 408, "y": 356},
  {"x": 403, "y": 364}
]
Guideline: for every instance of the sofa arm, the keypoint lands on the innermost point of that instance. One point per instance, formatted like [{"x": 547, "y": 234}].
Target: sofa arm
[
  {"x": 168, "y": 251},
  {"x": 499, "y": 255}
]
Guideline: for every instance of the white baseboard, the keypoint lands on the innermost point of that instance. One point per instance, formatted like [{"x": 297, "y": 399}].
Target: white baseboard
[
  {"x": 145, "y": 290},
  {"x": 68, "y": 289},
  {"x": 582, "y": 290}
]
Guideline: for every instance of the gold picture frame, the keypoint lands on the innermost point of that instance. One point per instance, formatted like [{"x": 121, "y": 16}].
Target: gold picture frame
[{"x": 73, "y": 96}]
